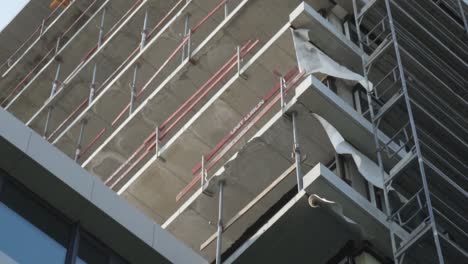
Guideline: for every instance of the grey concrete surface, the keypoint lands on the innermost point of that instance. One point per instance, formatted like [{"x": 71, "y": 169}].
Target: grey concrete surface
[{"x": 297, "y": 227}]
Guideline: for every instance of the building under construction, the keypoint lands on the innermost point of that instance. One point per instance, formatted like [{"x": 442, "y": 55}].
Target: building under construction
[{"x": 237, "y": 131}]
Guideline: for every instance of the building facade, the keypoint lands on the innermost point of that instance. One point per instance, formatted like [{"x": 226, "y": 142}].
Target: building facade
[{"x": 237, "y": 131}]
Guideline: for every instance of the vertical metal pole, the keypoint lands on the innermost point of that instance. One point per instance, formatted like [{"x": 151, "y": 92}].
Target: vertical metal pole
[
  {"x": 133, "y": 89},
  {"x": 282, "y": 86},
  {"x": 226, "y": 9},
  {"x": 463, "y": 17},
  {"x": 92, "y": 87},
  {"x": 144, "y": 32},
  {"x": 46, "y": 126},
  {"x": 42, "y": 28},
  {"x": 297, "y": 152},
  {"x": 189, "y": 44},
  {"x": 202, "y": 173},
  {"x": 239, "y": 60},
  {"x": 57, "y": 45},
  {"x": 374, "y": 128},
  {"x": 186, "y": 32},
  {"x": 55, "y": 82},
  {"x": 80, "y": 139},
  {"x": 220, "y": 222},
  {"x": 157, "y": 141},
  {"x": 101, "y": 27},
  {"x": 415, "y": 135}
]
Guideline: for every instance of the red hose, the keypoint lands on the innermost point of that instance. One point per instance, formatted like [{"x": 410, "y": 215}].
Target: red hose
[{"x": 265, "y": 110}]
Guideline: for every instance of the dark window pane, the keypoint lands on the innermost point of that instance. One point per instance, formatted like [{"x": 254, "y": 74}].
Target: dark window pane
[{"x": 29, "y": 234}]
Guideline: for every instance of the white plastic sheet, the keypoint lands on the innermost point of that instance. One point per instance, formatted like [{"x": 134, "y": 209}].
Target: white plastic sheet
[
  {"x": 312, "y": 60},
  {"x": 368, "y": 169}
]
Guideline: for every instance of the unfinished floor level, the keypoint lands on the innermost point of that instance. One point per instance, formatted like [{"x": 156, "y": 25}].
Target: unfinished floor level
[{"x": 303, "y": 131}]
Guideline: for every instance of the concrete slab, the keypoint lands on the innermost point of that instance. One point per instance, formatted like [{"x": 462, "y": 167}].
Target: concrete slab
[
  {"x": 31, "y": 52},
  {"x": 327, "y": 37},
  {"x": 170, "y": 91},
  {"x": 114, "y": 96},
  {"x": 216, "y": 106},
  {"x": 297, "y": 225},
  {"x": 71, "y": 54},
  {"x": 126, "y": 32},
  {"x": 263, "y": 158}
]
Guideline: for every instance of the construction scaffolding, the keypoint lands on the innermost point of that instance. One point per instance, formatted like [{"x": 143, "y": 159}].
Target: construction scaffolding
[
  {"x": 221, "y": 119},
  {"x": 418, "y": 61}
]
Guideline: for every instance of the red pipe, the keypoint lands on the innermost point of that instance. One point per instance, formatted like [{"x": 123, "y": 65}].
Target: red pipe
[
  {"x": 117, "y": 70},
  {"x": 211, "y": 87},
  {"x": 246, "y": 119},
  {"x": 184, "y": 41},
  {"x": 31, "y": 72},
  {"x": 163, "y": 125},
  {"x": 38, "y": 29},
  {"x": 164, "y": 18},
  {"x": 197, "y": 26},
  {"x": 79, "y": 17},
  {"x": 111, "y": 30},
  {"x": 96, "y": 138},
  {"x": 125, "y": 173},
  {"x": 153, "y": 145},
  {"x": 68, "y": 118},
  {"x": 269, "y": 106},
  {"x": 25, "y": 79},
  {"x": 126, "y": 60},
  {"x": 265, "y": 110},
  {"x": 153, "y": 134},
  {"x": 85, "y": 101},
  {"x": 119, "y": 116}
]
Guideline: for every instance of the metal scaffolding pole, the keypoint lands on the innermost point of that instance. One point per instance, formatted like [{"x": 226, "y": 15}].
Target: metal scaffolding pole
[
  {"x": 374, "y": 127},
  {"x": 297, "y": 152},
  {"x": 463, "y": 16},
  {"x": 144, "y": 32},
  {"x": 101, "y": 28},
  {"x": 220, "y": 222},
  {"x": 226, "y": 9},
  {"x": 79, "y": 141},
  {"x": 46, "y": 126},
  {"x": 185, "y": 52},
  {"x": 415, "y": 134},
  {"x": 400, "y": 250},
  {"x": 55, "y": 84},
  {"x": 92, "y": 88},
  {"x": 133, "y": 90}
]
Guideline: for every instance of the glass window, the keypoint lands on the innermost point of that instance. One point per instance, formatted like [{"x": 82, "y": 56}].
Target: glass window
[
  {"x": 28, "y": 233},
  {"x": 31, "y": 232}
]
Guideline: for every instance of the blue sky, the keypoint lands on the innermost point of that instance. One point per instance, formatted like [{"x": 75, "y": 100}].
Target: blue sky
[{"x": 9, "y": 10}]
